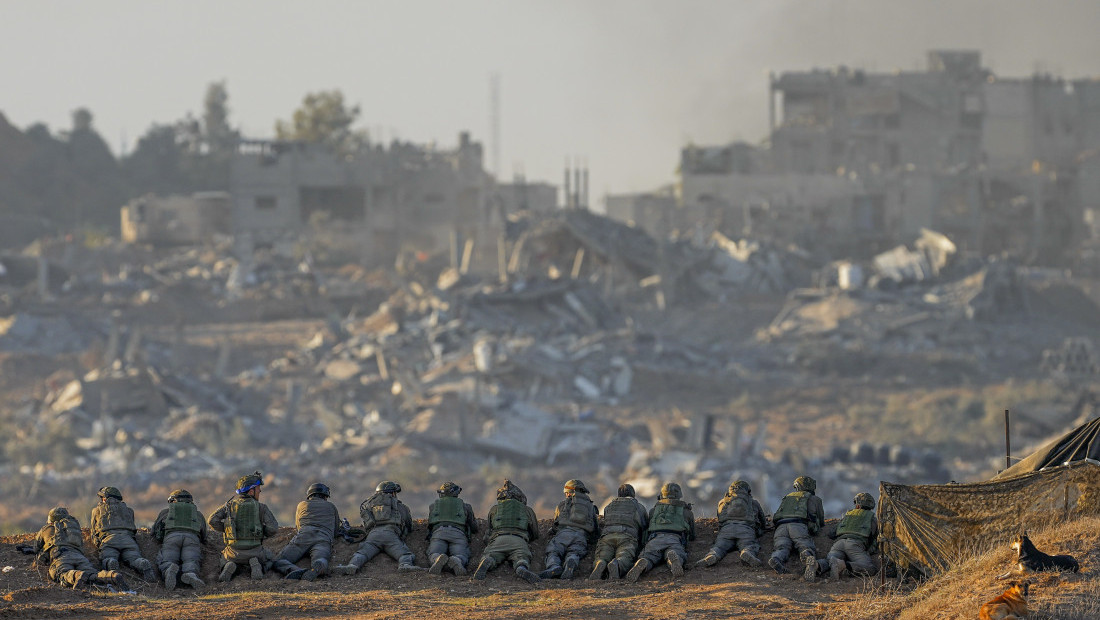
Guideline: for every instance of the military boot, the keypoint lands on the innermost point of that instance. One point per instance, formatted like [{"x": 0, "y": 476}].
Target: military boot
[
  {"x": 708, "y": 560},
  {"x": 351, "y": 567},
  {"x": 777, "y": 566},
  {"x": 110, "y": 564},
  {"x": 483, "y": 568},
  {"x": 639, "y": 568},
  {"x": 615, "y": 569},
  {"x": 227, "y": 572},
  {"x": 598, "y": 570},
  {"x": 170, "y": 577},
  {"x": 438, "y": 564},
  {"x": 675, "y": 563},
  {"x": 192, "y": 580},
  {"x": 409, "y": 566},
  {"x": 749, "y": 558},
  {"x": 527, "y": 574},
  {"x": 836, "y": 567},
  {"x": 148, "y": 570},
  {"x": 810, "y": 573},
  {"x": 553, "y": 567},
  {"x": 257, "y": 568},
  {"x": 569, "y": 568},
  {"x": 297, "y": 573},
  {"x": 112, "y": 578},
  {"x": 455, "y": 563}
]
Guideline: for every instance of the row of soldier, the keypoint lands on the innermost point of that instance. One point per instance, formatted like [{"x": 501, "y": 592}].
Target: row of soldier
[{"x": 628, "y": 540}]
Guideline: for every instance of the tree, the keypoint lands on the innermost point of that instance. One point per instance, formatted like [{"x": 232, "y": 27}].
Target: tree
[
  {"x": 323, "y": 118},
  {"x": 220, "y": 138}
]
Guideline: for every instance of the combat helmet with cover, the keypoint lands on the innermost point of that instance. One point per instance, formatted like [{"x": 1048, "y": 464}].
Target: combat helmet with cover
[
  {"x": 626, "y": 490},
  {"x": 575, "y": 486},
  {"x": 248, "y": 482},
  {"x": 671, "y": 490},
  {"x": 508, "y": 490},
  {"x": 449, "y": 489},
  {"x": 387, "y": 486},
  {"x": 181, "y": 495},
  {"x": 112, "y": 492},
  {"x": 865, "y": 501},
  {"x": 805, "y": 483},
  {"x": 57, "y": 514},
  {"x": 318, "y": 489}
]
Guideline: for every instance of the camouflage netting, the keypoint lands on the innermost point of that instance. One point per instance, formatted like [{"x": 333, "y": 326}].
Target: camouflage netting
[{"x": 926, "y": 527}]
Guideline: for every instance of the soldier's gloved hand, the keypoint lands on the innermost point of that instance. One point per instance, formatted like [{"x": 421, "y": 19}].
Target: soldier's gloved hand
[{"x": 25, "y": 549}]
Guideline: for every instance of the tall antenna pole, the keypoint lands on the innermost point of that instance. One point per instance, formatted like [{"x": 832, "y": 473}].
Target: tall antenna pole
[{"x": 494, "y": 122}]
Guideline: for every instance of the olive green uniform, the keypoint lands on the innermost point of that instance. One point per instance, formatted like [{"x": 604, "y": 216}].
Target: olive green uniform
[
  {"x": 60, "y": 546},
  {"x": 799, "y": 518},
  {"x": 113, "y": 531},
  {"x": 576, "y": 523},
  {"x": 511, "y": 527},
  {"x": 451, "y": 522},
  {"x": 856, "y": 542},
  {"x": 624, "y": 522},
  {"x": 244, "y": 541},
  {"x": 181, "y": 530}
]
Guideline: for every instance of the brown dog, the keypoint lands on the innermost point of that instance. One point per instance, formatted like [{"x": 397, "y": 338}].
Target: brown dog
[{"x": 1011, "y": 605}]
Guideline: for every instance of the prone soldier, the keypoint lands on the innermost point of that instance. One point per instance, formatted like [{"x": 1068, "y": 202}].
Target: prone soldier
[
  {"x": 741, "y": 522},
  {"x": 388, "y": 523},
  {"x": 451, "y": 522},
  {"x": 800, "y": 516},
  {"x": 113, "y": 531},
  {"x": 317, "y": 520},
  {"x": 512, "y": 526},
  {"x": 856, "y": 541},
  {"x": 576, "y": 524},
  {"x": 624, "y": 522},
  {"x": 180, "y": 529},
  {"x": 244, "y": 523},
  {"x": 60, "y": 544},
  {"x": 671, "y": 526}
]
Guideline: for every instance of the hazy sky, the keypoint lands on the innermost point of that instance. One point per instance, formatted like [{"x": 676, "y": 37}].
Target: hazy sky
[{"x": 623, "y": 83}]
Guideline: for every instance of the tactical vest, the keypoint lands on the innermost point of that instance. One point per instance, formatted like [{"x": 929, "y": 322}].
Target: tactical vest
[
  {"x": 578, "y": 513},
  {"x": 856, "y": 522},
  {"x": 115, "y": 516},
  {"x": 382, "y": 509},
  {"x": 64, "y": 533},
  {"x": 621, "y": 515},
  {"x": 736, "y": 509},
  {"x": 182, "y": 517},
  {"x": 795, "y": 505},
  {"x": 668, "y": 517},
  {"x": 244, "y": 529},
  {"x": 511, "y": 517},
  {"x": 447, "y": 511}
]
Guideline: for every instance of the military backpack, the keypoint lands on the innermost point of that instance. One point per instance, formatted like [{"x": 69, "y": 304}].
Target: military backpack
[
  {"x": 244, "y": 528},
  {"x": 65, "y": 533},
  {"x": 380, "y": 509},
  {"x": 578, "y": 513},
  {"x": 511, "y": 516},
  {"x": 856, "y": 522},
  {"x": 182, "y": 517},
  {"x": 116, "y": 516},
  {"x": 447, "y": 510},
  {"x": 668, "y": 517},
  {"x": 795, "y": 505},
  {"x": 737, "y": 509}
]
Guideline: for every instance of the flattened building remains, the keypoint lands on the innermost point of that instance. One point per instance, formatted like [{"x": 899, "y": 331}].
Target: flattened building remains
[{"x": 856, "y": 161}]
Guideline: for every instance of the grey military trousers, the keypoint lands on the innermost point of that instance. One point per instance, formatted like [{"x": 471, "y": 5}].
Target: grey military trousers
[
  {"x": 241, "y": 557},
  {"x": 569, "y": 542},
  {"x": 852, "y": 551},
  {"x": 660, "y": 545},
  {"x": 735, "y": 535},
  {"x": 790, "y": 535},
  {"x": 120, "y": 544},
  {"x": 379, "y": 539},
  {"x": 182, "y": 549},
  {"x": 451, "y": 541},
  {"x": 309, "y": 540}
]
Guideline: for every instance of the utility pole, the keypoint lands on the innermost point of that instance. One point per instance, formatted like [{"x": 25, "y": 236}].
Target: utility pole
[{"x": 494, "y": 122}]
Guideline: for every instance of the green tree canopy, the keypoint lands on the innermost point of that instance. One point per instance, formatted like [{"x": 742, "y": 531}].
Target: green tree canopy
[{"x": 323, "y": 118}]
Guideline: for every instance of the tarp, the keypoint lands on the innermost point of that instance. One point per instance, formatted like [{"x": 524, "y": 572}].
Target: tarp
[
  {"x": 1081, "y": 443},
  {"x": 927, "y": 527}
]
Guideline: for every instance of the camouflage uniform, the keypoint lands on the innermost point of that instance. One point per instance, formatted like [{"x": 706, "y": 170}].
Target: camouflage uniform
[
  {"x": 60, "y": 545},
  {"x": 451, "y": 522},
  {"x": 388, "y": 523},
  {"x": 624, "y": 522},
  {"x": 741, "y": 521},
  {"x": 317, "y": 520},
  {"x": 512, "y": 525},
  {"x": 244, "y": 523},
  {"x": 181, "y": 530},
  {"x": 856, "y": 541},
  {"x": 576, "y": 523},
  {"x": 113, "y": 531},
  {"x": 671, "y": 526},
  {"x": 799, "y": 518}
]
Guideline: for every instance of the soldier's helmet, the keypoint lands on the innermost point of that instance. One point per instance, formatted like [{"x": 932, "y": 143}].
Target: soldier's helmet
[
  {"x": 449, "y": 489},
  {"x": 387, "y": 486},
  {"x": 106, "y": 492},
  {"x": 576, "y": 486},
  {"x": 740, "y": 487},
  {"x": 181, "y": 495},
  {"x": 626, "y": 490},
  {"x": 317, "y": 488},
  {"x": 511, "y": 491},
  {"x": 671, "y": 490},
  {"x": 57, "y": 514},
  {"x": 249, "y": 482},
  {"x": 805, "y": 483},
  {"x": 864, "y": 500}
]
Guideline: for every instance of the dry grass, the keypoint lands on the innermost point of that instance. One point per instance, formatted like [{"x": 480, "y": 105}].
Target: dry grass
[{"x": 959, "y": 592}]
